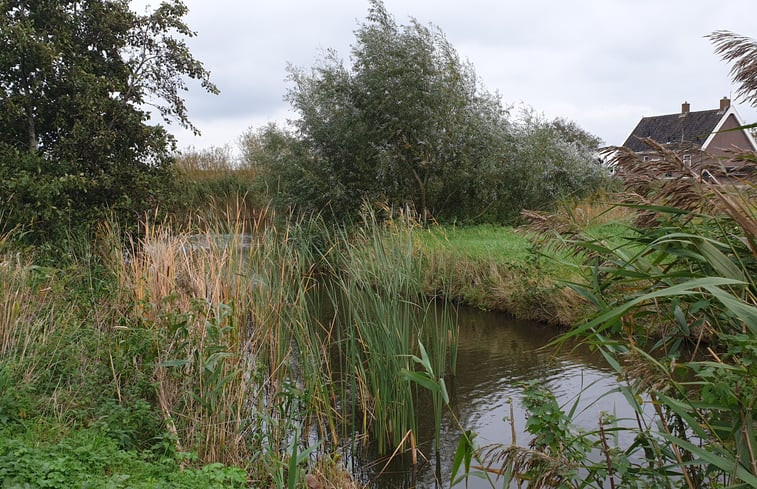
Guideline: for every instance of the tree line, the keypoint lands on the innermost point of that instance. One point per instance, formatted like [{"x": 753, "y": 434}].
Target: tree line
[{"x": 406, "y": 123}]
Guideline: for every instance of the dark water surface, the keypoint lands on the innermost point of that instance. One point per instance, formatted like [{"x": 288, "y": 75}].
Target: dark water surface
[{"x": 495, "y": 354}]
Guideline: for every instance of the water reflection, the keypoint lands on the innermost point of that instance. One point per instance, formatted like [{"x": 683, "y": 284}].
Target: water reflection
[{"x": 495, "y": 355}]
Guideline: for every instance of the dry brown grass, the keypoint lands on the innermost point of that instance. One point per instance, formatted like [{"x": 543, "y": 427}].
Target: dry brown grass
[
  {"x": 573, "y": 217},
  {"x": 330, "y": 474},
  {"x": 212, "y": 164},
  {"x": 178, "y": 285},
  {"x": 216, "y": 306},
  {"x": 544, "y": 471},
  {"x": 28, "y": 313}
]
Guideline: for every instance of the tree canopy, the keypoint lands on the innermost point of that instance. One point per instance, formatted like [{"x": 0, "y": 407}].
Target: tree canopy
[
  {"x": 408, "y": 123},
  {"x": 77, "y": 79}
]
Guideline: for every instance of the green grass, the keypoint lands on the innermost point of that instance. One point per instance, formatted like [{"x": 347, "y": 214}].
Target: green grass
[
  {"x": 39, "y": 454},
  {"x": 496, "y": 244},
  {"x": 506, "y": 245},
  {"x": 502, "y": 268}
]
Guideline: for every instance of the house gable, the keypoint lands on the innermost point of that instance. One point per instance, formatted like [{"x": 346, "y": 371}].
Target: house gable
[
  {"x": 704, "y": 140},
  {"x": 714, "y": 131},
  {"x": 726, "y": 136}
]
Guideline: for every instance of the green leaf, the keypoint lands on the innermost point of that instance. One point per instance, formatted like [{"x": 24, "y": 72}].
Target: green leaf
[
  {"x": 443, "y": 389},
  {"x": 425, "y": 361},
  {"x": 686, "y": 288},
  {"x": 723, "y": 460},
  {"x": 719, "y": 261},
  {"x": 421, "y": 379},
  {"x": 681, "y": 320},
  {"x": 685, "y": 412},
  {"x": 211, "y": 363},
  {"x": 463, "y": 457},
  {"x": 738, "y": 308},
  {"x": 293, "y": 471},
  {"x": 174, "y": 363}
]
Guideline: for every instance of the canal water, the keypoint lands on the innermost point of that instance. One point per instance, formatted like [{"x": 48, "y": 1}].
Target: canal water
[{"x": 495, "y": 355}]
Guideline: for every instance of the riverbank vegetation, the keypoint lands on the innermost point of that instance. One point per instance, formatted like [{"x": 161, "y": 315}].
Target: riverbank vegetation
[
  {"x": 676, "y": 312},
  {"x": 198, "y": 321},
  {"x": 523, "y": 270},
  {"x": 236, "y": 346}
]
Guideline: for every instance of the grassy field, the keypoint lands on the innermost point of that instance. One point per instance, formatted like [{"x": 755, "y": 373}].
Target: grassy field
[
  {"x": 521, "y": 271},
  {"x": 496, "y": 244}
]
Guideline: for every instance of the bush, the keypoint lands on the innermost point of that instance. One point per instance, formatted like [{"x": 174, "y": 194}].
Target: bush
[
  {"x": 408, "y": 124},
  {"x": 89, "y": 458},
  {"x": 48, "y": 200}
]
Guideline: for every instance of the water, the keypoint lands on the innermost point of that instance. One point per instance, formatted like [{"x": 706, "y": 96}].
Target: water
[{"x": 495, "y": 354}]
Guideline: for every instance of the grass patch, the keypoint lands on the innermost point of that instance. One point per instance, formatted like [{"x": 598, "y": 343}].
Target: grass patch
[
  {"x": 524, "y": 271},
  {"x": 495, "y": 244},
  {"x": 500, "y": 268}
]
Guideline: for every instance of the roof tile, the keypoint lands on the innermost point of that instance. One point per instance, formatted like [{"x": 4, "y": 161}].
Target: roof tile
[{"x": 691, "y": 129}]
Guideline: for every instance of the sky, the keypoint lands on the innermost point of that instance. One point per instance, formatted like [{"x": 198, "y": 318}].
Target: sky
[{"x": 604, "y": 64}]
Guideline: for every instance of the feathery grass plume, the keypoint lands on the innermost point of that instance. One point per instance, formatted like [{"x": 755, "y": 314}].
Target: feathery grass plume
[
  {"x": 664, "y": 180},
  {"x": 573, "y": 217},
  {"x": 686, "y": 282},
  {"x": 741, "y": 51}
]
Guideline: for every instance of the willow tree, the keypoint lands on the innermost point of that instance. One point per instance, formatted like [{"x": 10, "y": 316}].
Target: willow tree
[{"x": 406, "y": 123}]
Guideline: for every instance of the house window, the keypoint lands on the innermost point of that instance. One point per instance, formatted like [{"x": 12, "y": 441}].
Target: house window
[
  {"x": 687, "y": 161},
  {"x": 645, "y": 159}
]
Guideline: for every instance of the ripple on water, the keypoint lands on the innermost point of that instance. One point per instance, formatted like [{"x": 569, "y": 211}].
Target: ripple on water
[{"x": 496, "y": 354}]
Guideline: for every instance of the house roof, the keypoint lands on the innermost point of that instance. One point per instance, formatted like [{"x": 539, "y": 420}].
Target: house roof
[{"x": 681, "y": 130}]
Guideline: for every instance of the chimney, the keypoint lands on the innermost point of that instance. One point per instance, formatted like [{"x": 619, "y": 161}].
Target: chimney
[
  {"x": 685, "y": 108},
  {"x": 725, "y": 103}
]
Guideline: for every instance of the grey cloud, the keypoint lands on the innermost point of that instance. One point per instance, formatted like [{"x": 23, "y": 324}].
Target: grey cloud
[{"x": 592, "y": 60}]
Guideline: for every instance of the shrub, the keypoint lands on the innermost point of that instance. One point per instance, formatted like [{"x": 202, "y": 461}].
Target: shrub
[{"x": 408, "y": 124}]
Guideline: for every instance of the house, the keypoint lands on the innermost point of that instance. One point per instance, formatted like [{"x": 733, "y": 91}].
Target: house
[{"x": 697, "y": 136}]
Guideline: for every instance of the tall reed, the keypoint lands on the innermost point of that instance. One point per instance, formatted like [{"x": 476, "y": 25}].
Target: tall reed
[
  {"x": 28, "y": 314},
  {"x": 223, "y": 309},
  {"x": 249, "y": 360},
  {"x": 384, "y": 315}
]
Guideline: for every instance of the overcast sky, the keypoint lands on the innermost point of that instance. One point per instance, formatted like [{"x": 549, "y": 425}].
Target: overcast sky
[{"x": 601, "y": 63}]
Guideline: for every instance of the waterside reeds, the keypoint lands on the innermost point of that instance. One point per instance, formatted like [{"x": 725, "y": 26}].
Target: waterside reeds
[{"x": 249, "y": 355}]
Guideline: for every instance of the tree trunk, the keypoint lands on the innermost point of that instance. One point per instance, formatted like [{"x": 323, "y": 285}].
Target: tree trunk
[
  {"x": 422, "y": 188},
  {"x": 33, "y": 143}
]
